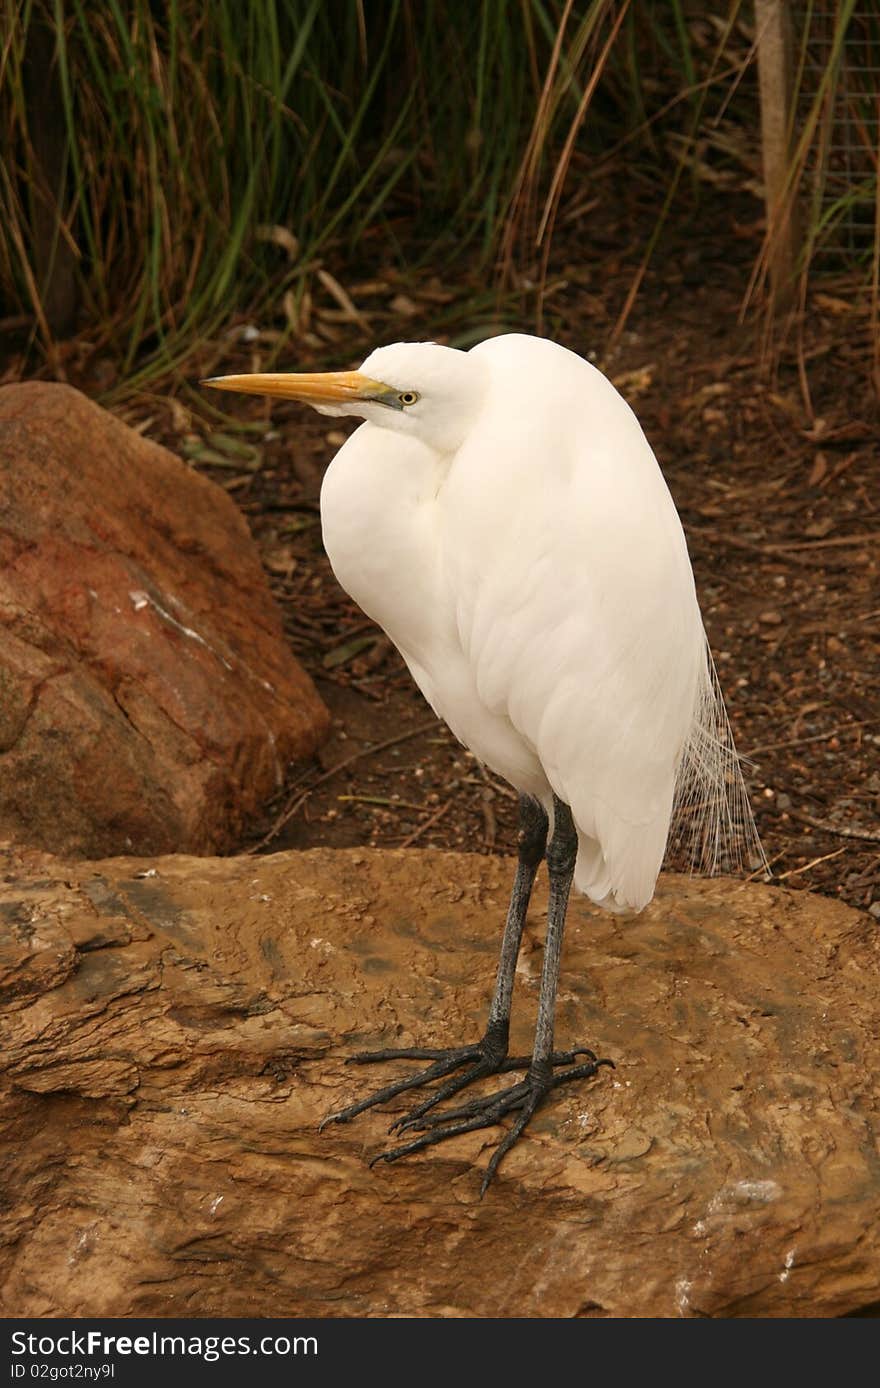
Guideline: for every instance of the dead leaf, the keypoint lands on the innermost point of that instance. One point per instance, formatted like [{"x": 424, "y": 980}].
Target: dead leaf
[
  {"x": 334, "y": 288},
  {"x": 201, "y": 453},
  {"x": 340, "y": 654},
  {"x": 790, "y": 407},
  {"x": 369, "y": 289},
  {"x": 635, "y": 382},
  {"x": 279, "y": 236},
  {"x": 280, "y": 561},
  {"x": 818, "y": 470},
  {"x": 834, "y": 305},
  {"x": 404, "y": 306},
  {"x": 181, "y": 419},
  {"x": 228, "y": 444},
  {"x": 817, "y": 431}
]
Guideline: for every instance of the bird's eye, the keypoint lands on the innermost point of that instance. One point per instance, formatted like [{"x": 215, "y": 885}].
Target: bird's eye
[{"x": 409, "y": 397}]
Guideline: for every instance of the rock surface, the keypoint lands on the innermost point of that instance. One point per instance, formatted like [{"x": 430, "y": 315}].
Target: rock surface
[
  {"x": 148, "y": 699},
  {"x": 175, "y": 1029}
]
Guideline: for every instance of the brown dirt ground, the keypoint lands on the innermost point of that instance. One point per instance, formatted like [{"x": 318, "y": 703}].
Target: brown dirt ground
[{"x": 778, "y": 488}]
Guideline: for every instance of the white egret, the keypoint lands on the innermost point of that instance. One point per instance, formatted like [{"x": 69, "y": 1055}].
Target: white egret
[{"x": 500, "y": 514}]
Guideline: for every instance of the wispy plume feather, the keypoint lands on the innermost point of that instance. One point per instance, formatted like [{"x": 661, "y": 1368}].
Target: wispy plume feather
[{"x": 713, "y": 828}]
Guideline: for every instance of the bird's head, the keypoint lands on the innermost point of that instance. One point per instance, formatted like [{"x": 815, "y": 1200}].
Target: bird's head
[{"x": 418, "y": 388}]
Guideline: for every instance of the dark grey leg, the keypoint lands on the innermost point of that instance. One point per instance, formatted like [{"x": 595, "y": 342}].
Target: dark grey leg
[
  {"x": 540, "y": 1079},
  {"x": 561, "y": 856},
  {"x": 489, "y": 1056},
  {"x": 531, "y": 845}
]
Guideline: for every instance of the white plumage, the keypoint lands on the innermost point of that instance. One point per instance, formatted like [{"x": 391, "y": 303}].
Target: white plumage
[
  {"x": 502, "y": 516},
  {"x": 537, "y": 583}
]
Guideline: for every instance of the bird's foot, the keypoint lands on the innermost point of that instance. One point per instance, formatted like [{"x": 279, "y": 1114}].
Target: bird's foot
[
  {"x": 487, "y": 1057},
  {"x": 524, "y": 1097}
]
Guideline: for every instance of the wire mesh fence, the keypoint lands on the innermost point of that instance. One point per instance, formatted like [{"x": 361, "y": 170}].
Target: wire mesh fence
[{"x": 840, "y": 66}]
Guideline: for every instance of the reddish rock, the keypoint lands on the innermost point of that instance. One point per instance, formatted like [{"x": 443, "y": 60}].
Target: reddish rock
[{"x": 148, "y": 700}]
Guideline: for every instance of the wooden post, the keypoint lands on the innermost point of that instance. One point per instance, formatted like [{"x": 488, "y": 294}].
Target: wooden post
[{"x": 775, "y": 67}]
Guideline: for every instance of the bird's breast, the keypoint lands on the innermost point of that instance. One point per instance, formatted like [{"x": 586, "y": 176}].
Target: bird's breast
[
  {"x": 379, "y": 526},
  {"x": 385, "y": 533}
]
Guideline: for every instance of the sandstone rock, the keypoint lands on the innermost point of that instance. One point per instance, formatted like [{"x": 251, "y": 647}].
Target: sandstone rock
[
  {"x": 148, "y": 700},
  {"x": 175, "y": 1029}
]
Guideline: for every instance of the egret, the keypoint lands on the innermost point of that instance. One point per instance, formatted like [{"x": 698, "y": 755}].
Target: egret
[{"x": 501, "y": 515}]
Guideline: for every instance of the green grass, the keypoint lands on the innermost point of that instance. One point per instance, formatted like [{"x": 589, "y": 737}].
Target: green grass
[{"x": 204, "y": 159}]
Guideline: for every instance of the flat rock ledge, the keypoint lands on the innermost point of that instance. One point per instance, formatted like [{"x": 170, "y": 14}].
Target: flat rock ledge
[{"x": 175, "y": 1028}]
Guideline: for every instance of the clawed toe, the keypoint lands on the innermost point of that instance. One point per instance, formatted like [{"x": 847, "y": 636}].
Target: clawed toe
[
  {"x": 411, "y": 1053},
  {"x": 486, "y": 1110},
  {"x": 483, "y": 1061},
  {"x": 480, "y": 1071},
  {"x": 545, "y": 1069}
]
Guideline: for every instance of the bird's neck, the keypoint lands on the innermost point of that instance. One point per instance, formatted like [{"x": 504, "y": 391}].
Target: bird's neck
[{"x": 379, "y": 519}]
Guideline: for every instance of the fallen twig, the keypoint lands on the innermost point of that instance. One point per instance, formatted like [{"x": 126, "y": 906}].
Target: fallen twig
[
  {"x": 830, "y": 543},
  {"x": 842, "y": 831},
  {"x": 428, "y": 824},
  {"x": 787, "y": 550},
  {"x": 814, "y": 737},
  {"x": 385, "y": 801},
  {"x": 796, "y": 871}
]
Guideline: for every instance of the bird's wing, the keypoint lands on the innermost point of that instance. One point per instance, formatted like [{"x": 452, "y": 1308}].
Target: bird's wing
[{"x": 576, "y": 607}]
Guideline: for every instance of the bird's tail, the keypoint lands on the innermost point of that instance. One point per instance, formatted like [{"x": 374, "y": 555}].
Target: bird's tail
[{"x": 713, "y": 828}]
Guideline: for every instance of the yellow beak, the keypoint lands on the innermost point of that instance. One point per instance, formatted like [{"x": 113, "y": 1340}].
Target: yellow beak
[{"x": 315, "y": 388}]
